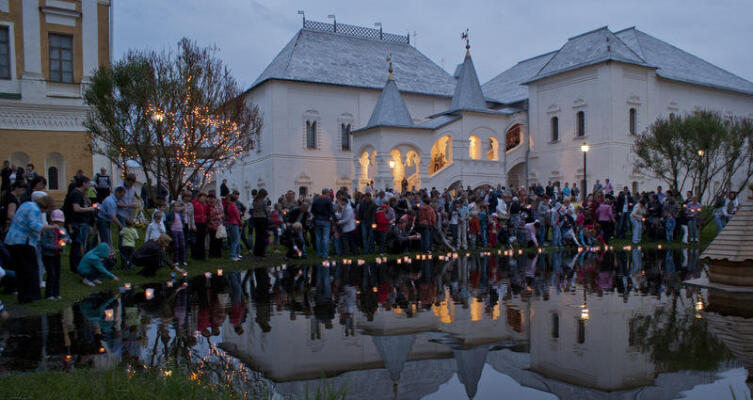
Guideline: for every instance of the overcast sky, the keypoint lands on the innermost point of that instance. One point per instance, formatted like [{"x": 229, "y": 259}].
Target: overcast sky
[{"x": 250, "y": 33}]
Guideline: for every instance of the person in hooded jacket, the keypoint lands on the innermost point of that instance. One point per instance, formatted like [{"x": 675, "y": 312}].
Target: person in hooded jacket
[{"x": 92, "y": 267}]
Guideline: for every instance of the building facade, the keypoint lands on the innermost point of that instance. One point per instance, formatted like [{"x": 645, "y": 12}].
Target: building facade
[
  {"x": 49, "y": 49},
  {"x": 338, "y": 113}
]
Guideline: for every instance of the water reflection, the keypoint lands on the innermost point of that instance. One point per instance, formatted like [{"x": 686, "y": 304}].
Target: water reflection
[{"x": 568, "y": 323}]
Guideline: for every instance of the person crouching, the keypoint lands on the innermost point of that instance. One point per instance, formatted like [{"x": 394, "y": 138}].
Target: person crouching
[
  {"x": 291, "y": 239},
  {"x": 91, "y": 266},
  {"x": 151, "y": 256}
]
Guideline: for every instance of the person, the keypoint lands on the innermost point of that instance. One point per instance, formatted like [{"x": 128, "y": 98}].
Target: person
[
  {"x": 474, "y": 229},
  {"x": 38, "y": 184},
  {"x": 731, "y": 204},
  {"x": 399, "y": 237},
  {"x": 427, "y": 218},
  {"x": 463, "y": 216},
  {"x": 323, "y": 212},
  {"x": 291, "y": 239},
  {"x": 127, "y": 242},
  {"x": 151, "y": 256},
  {"x": 383, "y": 224},
  {"x": 215, "y": 219},
  {"x": 347, "y": 226},
  {"x": 530, "y": 229},
  {"x": 127, "y": 204},
  {"x": 175, "y": 222},
  {"x": 624, "y": 206},
  {"x": 156, "y": 228},
  {"x": 11, "y": 201},
  {"x": 366, "y": 216},
  {"x": 597, "y": 187},
  {"x": 107, "y": 213},
  {"x": 53, "y": 243},
  {"x": 224, "y": 190},
  {"x": 30, "y": 173},
  {"x": 233, "y": 225},
  {"x": 91, "y": 267},
  {"x": 605, "y": 218},
  {"x": 5, "y": 174},
  {"x": 200, "y": 213},
  {"x": 22, "y": 237},
  {"x": 692, "y": 210},
  {"x": 260, "y": 215},
  {"x": 276, "y": 221},
  {"x": 608, "y": 189},
  {"x": 671, "y": 211},
  {"x": 637, "y": 216},
  {"x": 103, "y": 184},
  {"x": 78, "y": 211}
]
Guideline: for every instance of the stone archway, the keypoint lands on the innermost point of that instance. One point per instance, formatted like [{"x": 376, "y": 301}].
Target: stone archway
[{"x": 516, "y": 176}]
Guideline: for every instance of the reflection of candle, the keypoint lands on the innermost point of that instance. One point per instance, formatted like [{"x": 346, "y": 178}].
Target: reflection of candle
[
  {"x": 374, "y": 289},
  {"x": 149, "y": 293},
  {"x": 219, "y": 271},
  {"x": 61, "y": 231},
  {"x": 101, "y": 350},
  {"x": 109, "y": 314},
  {"x": 95, "y": 205},
  {"x": 185, "y": 273},
  {"x": 520, "y": 252}
]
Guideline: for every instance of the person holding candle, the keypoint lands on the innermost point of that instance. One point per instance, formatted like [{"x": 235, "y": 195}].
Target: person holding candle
[
  {"x": 128, "y": 237},
  {"x": 78, "y": 212},
  {"x": 53, "y": 242},
  {"x": 691, "y": 213}
]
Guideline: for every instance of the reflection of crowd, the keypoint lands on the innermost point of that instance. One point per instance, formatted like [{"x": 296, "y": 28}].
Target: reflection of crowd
[{"x": 105, "y": 328}]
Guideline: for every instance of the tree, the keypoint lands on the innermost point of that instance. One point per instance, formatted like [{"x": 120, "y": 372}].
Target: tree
[
  {"x": 660, "y": 151},
  {"x": 181, "y": 115}
]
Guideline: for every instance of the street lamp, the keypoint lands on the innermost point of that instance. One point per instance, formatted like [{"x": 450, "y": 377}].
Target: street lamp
[{"x": 584, "y": 148}]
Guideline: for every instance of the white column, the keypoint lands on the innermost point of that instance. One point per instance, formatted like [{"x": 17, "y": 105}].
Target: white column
[
  {"x": 90, "y": 38},
  {"x": 32, "y": 47}
]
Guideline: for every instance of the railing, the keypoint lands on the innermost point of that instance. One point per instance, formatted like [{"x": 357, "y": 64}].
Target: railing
[{"x": 355, "y": 31}]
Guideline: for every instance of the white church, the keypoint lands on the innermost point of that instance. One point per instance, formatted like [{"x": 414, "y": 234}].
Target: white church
[{"x": 345, "y": 105}]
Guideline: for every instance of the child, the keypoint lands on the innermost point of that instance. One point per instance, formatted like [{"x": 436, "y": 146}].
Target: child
[
  {"x": 156, "y": 228},
  {"x": 91, "y": 267},
  {"x": 276, "y": 219},
  {"x": 127, "y": 243},
  {"x": 493, "y": 228},
  {"x": 474, "y": 228},
  {"x": 175, "y": 220},
  {"x": 53, "y": 242}
]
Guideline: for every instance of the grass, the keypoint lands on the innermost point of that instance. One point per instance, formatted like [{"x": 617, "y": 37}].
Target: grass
[{"x": 72, "y": 290}]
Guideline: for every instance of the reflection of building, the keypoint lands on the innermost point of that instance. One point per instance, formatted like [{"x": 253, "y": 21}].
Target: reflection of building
[
  {"x": 48, "y": 51},
  {"x": 333, "y": 116}
]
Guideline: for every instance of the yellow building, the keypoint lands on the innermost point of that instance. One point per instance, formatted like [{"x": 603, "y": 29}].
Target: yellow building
[{"x": 49, "y": 49}]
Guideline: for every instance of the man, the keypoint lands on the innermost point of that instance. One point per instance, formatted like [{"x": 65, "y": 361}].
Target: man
[
  {"x": 323, "y": 211},
  {"x": 398, "y": 237},
  {"x": 30, "y": 173},
  {"x": 530, "y": 229},
  {"x": 103, "y": 184},
  {"x": 575, "y": 191},
  {"x": 608, "y": 190},
  {"x": 127, "y": 204},
  {"x": 78, "y": 212},
  {"x": 624, "y": 207},
  {"x": 597, "y": 186},
  {"x": 660, "y": 195},
  {"x": 5, "y": 173},
  {"x": 107, "y": 213},
  {"x": 367, "y": 218},
  {"x": 427, "y": 218},
  {"x": 224, "y": 190}
]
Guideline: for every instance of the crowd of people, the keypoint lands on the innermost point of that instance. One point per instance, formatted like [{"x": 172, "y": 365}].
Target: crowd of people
[{"x": 333, "y": 223}]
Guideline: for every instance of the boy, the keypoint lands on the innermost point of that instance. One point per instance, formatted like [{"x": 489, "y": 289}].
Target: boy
[
  {"x": 91, "y": 267},
  {"x": 127, "y": 244},
  {"x": 53, "y": 242}
]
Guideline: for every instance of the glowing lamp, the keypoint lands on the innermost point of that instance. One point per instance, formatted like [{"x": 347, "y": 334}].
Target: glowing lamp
[
  {"x": 109, "y": 314},
  {"x": 392, "y": 164},
  {"x": 219, "y": 271},
  {"x": 149, "y": 293},
  {"x": 584, "y": 148}
]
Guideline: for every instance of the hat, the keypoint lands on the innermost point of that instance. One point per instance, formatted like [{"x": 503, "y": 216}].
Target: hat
[
  {"x": 37, "y": 194},
  {"x": 57, "y": 216}
]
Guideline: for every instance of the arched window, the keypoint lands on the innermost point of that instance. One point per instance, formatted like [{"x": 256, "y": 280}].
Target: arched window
[
  {"x": 311, "y": 134},
  {"x": 474, "y": 148},
  {"x": 581, "y": 123},
  {"x": 52, "y": 178},
  {"x": 555, "y": 129},
  {"x": 512, "y": 137},
  {"x": 345, "y": 137},
  {"x": 632, "y": 121}
]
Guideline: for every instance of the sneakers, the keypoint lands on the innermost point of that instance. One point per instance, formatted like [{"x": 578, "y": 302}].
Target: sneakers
[
  {"x": 88, "y": 282},
  {"x": 185, "y": 264},
  {"x": 235, "y": 258},
  {"x": 97, "y": 281},
  {"x": 52, "y": 298}
]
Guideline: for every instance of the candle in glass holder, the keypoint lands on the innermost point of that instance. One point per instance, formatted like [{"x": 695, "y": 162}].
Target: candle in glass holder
[
  {"x": 169, "y": 283},
  {"x": 219, "y": 271},
  {"x": 127, "y": 286},
  {"x": 109, "y": 314},
  {"x": 207, "y": 275},
  {"x": 149, "y": 293},
  {"x": 373, "y": 226}
]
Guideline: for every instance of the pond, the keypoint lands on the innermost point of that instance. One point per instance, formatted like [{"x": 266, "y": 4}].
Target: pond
[{"x": 565, "y": 324}]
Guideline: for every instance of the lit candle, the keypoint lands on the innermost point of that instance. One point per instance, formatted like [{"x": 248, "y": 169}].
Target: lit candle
[
  {"x": 109, "y": 314},
  {"x": 659, "y": 247},
  {"x": 61, "y": 243},
  {"x": 127, "y": 286},
  {"x": 149, "y": 293},
  {"x": 374, "y": 289},
  {"x": 207, "y": 275},
  {"x": 219, "y": 271},
  {"x": 399, "y": 260},
  {"x": 429, "y": 256},
  {"x": 169, "y": 283},
  {"x": 373, "y": 226},
  {"x": 520, "y": 252},
  {"x": 541, "y": 250}
]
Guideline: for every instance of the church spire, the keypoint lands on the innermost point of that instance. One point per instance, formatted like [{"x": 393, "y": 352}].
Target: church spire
[
  {"x": 390, "y": 109},
  {"x": 468, "y": 94}
]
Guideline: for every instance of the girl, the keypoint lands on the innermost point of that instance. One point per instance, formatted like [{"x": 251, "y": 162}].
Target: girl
[
  {"x": 276, "y": 219},
  {"x": 156, "y": 228}
]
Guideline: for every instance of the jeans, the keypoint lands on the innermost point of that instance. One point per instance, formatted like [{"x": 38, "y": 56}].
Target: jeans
[
  {"x": 52, "y": 266},
  {"x": 556, "y": 236},
  {"x": 380, "y": 239},
  {"x": 720, "y": 222},
  {"x": 484, "y": 235},
  {"x": 462, "y": 234},
  {"x": 425, "y": 238},
  {"x": 367, "y": 234},
  {"x": 79, "y": 235},
  {"x": 179, "y": 243},
  {"x": 637, "y": 228},
  {"x": 692, "y": 229},
  {"x": 669, "y": 228},
  {"x": 234, "y": 234},
  {"x": 623, "y": 224},
  {"x": 321, "y": 230},
  {"x": 126, "y": 257},
  {"x": 103, "y": 227}
]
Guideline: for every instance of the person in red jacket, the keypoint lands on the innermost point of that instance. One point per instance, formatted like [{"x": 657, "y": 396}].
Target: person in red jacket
[
  {"x": 382, "y": 225},
  {"x": 200, "y": 210},
  {"x": 233, "y": 225}
]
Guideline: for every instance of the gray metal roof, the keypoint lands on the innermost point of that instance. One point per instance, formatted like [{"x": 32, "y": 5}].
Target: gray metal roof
[
  {"x": 468, "y": 94},
  {"x": 508, "y": 87},
  {"x": 587, "y": 49},
  {"x": 679, "y": 65},
  {"x": 439, "y": 121},
  {"x": 390, "y": 109},
  {"x": 351, "y": 60}
]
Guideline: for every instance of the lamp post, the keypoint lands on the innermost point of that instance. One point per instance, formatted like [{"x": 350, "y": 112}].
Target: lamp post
[{"x": 584, "y": 148}]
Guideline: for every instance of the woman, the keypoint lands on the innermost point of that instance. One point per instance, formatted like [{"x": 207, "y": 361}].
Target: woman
[
  {"x": 215, "y": 219},
  {"x": 636, "y": 218},
  {"x": 260, "y": 217},
  {"x": 24, "y": 232},
  {"x": 151, "y": 256},
  {"x": 200, "y": 213},
  {"x": 189, "y": 223}
]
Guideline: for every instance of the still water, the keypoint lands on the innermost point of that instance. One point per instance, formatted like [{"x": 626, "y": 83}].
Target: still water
[{"x": 562, "y": 325}]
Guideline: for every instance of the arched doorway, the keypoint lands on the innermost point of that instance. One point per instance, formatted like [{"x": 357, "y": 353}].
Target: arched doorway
[{"x": 516, "y": 176}]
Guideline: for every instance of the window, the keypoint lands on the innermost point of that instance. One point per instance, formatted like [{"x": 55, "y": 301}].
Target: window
[
  {"x": 632, "y": 121},
  {"x": 512, "y": 137},
  {"x": 61, "y": 58},
  {"x": 555, "y": 129},
  {"x": 4, "y": 53},
  {"x": 52, "y": 178},
  {"x": 555, "y": 325},
  {"x": 345, "y": 137},
  {"x": 581, "y": 120},
  {"x": 303, "y": 191},
  {"x": 310, "y": 134}
]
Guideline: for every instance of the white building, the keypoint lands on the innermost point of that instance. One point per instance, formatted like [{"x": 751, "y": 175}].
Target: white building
[{"x": 334, "y": 116}]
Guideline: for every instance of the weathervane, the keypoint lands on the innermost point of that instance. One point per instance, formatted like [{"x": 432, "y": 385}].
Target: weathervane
[
  {"x": 464, "y": 36},
  {"x": 389, "y": 60}
]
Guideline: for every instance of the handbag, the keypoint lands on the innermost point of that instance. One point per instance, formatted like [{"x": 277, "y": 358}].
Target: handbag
[{"x": 221, "y": 232}]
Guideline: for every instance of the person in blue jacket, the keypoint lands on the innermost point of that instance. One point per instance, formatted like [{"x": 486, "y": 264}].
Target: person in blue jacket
[{"x": 91, "y": 266}]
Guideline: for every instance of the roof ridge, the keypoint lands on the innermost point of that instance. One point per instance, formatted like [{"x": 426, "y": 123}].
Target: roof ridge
[
  {"x": 626, "y": 46},
  {"x": 605, "y": 27},
  {"x": 535, "y": 57},
  {"x": 295, "y": 44}
]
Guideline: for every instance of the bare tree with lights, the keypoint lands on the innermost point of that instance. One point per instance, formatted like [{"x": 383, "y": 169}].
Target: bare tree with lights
[{"x": 181, "y": 115}]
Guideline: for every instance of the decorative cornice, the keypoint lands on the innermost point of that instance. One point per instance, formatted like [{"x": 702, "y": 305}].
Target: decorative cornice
[
  {"x": 62, "y": 12},
  {"x": 43, "y": 119}
]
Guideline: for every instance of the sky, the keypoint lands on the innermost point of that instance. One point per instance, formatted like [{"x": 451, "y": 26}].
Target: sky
[{"x": 250, "y": 33}]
